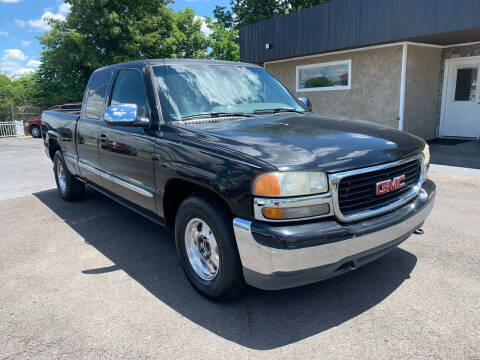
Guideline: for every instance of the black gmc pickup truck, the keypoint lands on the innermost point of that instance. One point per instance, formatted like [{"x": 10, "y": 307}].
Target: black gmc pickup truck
[{"x": 257, "y": 188}]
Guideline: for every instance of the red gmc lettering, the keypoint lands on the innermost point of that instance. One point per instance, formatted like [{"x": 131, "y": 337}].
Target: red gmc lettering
[{"x": 387, "y": 186}]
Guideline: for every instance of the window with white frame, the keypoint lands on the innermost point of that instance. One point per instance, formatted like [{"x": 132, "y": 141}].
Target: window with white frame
[{"x": 334, "y": 75}]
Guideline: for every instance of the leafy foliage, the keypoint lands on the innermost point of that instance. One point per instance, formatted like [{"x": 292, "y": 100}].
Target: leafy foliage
[
  {"x": 319, "y": 81},
  {"x": 102, "y": 32},
  {"x": 223, "y": 42},
  {"x": 225, "y": 28},
  {"x": 17, "y": 92},
  {"x": 296, "y": 5},
  {"x": 190, "y": 41},
  {"x": 223, "y": 16},
  {"x": 251, "y": 11}
]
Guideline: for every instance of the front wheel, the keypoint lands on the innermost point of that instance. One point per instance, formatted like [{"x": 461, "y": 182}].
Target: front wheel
[
  {"x": 207, "y": 248},
  {"x": 68, "y": 186}
]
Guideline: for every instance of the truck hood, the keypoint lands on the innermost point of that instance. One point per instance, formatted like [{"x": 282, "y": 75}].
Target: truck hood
[{"x": 296, "y": 141}]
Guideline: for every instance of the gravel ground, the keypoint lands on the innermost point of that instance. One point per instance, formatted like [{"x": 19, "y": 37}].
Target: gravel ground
[{"x": 93, "y": 280}]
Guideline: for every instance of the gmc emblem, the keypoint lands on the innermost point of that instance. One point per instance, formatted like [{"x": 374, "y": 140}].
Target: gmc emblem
[{"x": 386, "y": 186}]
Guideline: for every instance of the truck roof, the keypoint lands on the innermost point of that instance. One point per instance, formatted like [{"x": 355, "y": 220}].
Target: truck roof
[{"x": 154, "y": 62}]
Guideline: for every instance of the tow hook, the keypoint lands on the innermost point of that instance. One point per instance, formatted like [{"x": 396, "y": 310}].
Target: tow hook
[
  {"x": 348, "y": 266},
  {"x": 419, "y": 231}
]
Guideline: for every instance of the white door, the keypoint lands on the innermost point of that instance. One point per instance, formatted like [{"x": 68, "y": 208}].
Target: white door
[{"x": 461, "y": 100}]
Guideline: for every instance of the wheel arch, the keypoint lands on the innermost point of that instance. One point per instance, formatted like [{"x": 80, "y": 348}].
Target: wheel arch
[
  {"x": 177, "y": 190},
  {"x": 53, "y": 147}
]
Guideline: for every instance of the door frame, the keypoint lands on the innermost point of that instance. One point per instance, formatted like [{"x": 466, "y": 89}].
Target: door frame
[{"x": 448, "y": 65}]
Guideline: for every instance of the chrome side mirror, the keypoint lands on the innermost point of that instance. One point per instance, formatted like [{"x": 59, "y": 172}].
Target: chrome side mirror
[
  {"x": 124, "y": 115},
  {"x": 306, "y": 103}
]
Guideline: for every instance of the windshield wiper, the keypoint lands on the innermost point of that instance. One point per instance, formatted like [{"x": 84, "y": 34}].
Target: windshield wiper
[
  {"x": 277, "y": 110},
  {"x": 215, "y": 115}
]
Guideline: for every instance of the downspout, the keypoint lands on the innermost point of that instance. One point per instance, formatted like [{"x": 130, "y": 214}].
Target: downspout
[{"x": 401, "y": 111}]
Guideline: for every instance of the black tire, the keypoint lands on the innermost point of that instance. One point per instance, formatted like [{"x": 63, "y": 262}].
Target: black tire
[
  {"x": 228, "y": 282},
  {"x": 35, "y": 131},
  {"x": 72, "y": 188}
]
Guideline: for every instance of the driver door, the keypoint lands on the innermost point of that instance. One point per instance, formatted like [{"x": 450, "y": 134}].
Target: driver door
[{"x": 126, "y": 151}]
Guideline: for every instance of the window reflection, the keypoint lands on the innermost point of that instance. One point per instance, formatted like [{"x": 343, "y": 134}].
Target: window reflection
[
  {"x": 188, "y": 89},
  {"x": 324, "y": 76}
]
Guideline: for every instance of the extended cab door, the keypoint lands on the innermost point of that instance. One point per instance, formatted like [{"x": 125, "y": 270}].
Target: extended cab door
[
  {"x": 126, "y": 151},
  {"x": 89, "y": 124}
]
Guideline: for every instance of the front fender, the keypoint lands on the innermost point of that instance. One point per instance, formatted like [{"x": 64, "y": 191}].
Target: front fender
[{"x": 225, "y": 174}]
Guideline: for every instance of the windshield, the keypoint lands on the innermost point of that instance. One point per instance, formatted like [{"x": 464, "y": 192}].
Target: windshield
[{"x": 187, "y": 91}]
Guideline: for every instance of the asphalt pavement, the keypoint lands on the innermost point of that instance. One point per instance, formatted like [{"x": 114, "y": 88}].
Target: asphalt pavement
[{"x": 92, "y": 280}]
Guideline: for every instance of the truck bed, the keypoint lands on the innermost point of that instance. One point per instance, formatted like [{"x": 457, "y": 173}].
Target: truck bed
[
  {"x": 60, "y": 126},
  {"x": 59, "y": 122}
]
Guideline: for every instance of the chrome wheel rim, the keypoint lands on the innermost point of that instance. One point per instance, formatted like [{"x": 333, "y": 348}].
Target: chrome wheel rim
[
  {"x": 62, "y": 181},
  {"x": 35, "y": 132},
  {"x": 202, "y": 249}
]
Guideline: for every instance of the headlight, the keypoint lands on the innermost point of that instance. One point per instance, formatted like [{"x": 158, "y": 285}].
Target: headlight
[
  {"x": 285, "y": 184},
  {"x": 426, "y": 161},
  {"x": 426, "y": 156}
]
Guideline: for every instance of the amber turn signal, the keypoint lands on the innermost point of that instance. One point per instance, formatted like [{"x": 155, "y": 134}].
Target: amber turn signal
[
  {"x": 290, "y": 213},
  {"x": 271, "y": 213},
  {"x": 267, "y": 185}
]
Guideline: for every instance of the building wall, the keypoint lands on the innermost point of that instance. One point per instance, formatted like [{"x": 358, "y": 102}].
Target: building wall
[
  {"x": 375, "y": 91},
  {"x": 421, "y": 91},
  {"x": 350, "y": 24}
]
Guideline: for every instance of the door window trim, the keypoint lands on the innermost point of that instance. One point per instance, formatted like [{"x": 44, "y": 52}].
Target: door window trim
[
  {"x": 87, "y": 93},
  {"x": 156, "y": 97},
  {"x": 114, "y": 82}
]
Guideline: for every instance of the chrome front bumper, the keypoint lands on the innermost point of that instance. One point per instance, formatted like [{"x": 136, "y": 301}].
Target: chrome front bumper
[{"x": 274, "y": 268}]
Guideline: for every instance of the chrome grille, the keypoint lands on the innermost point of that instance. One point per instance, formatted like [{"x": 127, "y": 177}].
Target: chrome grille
[{"x": 355, "y": 191}]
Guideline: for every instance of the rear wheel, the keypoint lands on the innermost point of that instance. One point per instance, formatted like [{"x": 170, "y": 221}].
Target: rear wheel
[
  {"x": 35, "y": 131},
  {"x": 207, "y": 249},
  {"x": 69, "y": 188}
]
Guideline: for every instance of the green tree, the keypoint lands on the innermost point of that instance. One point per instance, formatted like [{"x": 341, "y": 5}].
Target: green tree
[
  {"x": 224, "y": 39},
  {"x": 102, "y": 32},
  {"x": 319, "y": 81},
  {"x": 296, "y": 5},
  {"x": 223, "y": 42},
  {"x": 190, "y": 41},
  {"x": 6, "y": 90},
  {"x": 223, "y": 16},
  {"x": 251, "y": 11},
  {"x": 17, "y": 92}
]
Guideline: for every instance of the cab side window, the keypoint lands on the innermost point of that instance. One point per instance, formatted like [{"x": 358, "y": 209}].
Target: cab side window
[
  {"x": 71, "y": 108},
  {"x": 130, "y": 89},
  {"x": 97, "y": 90}
]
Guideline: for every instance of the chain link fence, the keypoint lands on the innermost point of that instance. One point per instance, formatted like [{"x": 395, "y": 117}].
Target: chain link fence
[
  {"x": 25, "y": 113},
  {"x": 19, "y": 113}
]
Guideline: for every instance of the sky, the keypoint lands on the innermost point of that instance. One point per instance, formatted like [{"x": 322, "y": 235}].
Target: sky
[{"x": 22, "y": 20}]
